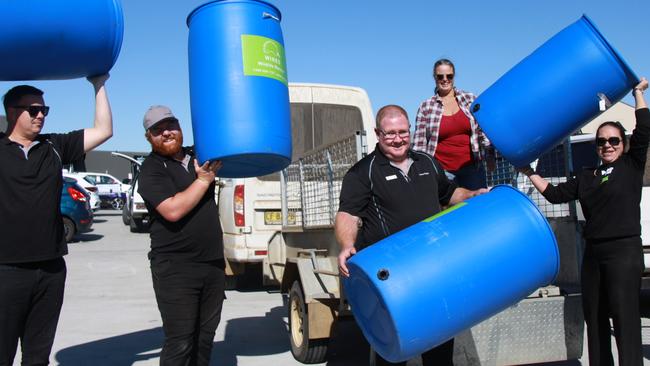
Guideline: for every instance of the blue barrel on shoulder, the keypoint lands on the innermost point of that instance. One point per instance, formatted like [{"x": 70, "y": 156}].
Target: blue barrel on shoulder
[
  {"x": 238, "y": 87},
  {"x": 421, "y": 286},
  {"x": 553, "y": 92}
]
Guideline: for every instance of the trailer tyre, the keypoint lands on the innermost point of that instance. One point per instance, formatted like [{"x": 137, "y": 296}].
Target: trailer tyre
[{"x": 303, "y": 349}]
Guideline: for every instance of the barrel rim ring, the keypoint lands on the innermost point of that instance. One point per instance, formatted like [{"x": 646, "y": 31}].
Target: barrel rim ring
[
  {"x": 626, "y": 67},
  {"x": 213, "y": 2}
]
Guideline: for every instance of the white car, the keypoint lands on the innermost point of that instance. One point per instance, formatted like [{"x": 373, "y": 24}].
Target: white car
[
  {"x": 111, "y": 191},
  {"x": 90, "y": 189},
  {"x": 134, "y": 212}
]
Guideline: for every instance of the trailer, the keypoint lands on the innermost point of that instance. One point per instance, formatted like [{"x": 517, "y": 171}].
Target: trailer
[{"x": 546, "y": 326}]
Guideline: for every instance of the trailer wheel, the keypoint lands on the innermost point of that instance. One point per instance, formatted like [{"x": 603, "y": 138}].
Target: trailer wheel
[{"x": 303, "y": 349}]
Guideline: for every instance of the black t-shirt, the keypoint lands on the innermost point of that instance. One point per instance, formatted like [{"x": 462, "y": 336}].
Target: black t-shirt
[
  {"x": 197, "y": 237},
  {"x": 30, "y": 196},
  {"x": 610, "y": 195},
  {"x": 387, "y": 200}
]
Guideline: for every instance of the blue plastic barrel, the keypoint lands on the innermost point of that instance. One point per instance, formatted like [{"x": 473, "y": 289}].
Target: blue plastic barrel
[
  {"x": 238, "y": 87},
  {"x": 552, "y": 92},
  {"x": 56, "y": 40},
  {"x": 420, "y": 287}
]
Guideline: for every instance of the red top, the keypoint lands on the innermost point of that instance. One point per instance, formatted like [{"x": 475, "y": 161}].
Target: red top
[{"x": 454, "y": 151}]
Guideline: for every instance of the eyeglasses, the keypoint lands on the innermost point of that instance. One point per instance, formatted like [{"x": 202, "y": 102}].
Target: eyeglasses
[
  {"x": 391, "y": 135},
  {"x": 441, "y": 77},
  {"x": 613, "y": 141},
  {"x": 34, "y": 110}
]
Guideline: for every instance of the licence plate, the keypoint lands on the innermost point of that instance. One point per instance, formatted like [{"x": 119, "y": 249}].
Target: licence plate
[{"x": 275, "y": 218}]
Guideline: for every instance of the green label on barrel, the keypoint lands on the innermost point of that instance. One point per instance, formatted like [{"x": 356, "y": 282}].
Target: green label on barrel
[
  {"x": 452, "y": 208},
  {"x": 263, "y": 57}
]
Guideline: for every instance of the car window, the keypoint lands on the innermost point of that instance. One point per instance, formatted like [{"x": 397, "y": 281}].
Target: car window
[
  {"x": 107, "y": 180},
  {"x": 318, "y": 124},
  {"x": 90, "y": 179}
]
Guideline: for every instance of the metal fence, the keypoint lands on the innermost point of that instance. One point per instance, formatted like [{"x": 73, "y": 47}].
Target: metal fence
[
  {"x": 555, "y": 166},
  {"x": 311, "y": 185}
]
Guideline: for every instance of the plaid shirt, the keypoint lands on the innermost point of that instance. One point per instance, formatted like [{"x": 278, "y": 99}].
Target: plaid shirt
[{"x": 427, "y": 126}]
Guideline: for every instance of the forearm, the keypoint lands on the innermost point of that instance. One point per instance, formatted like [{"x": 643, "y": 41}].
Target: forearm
[
  {"x": 178, "y": 206},
  {"x": 639, "y": 99},
  {"x": 102, "y": 128},
  {"x": 538, "y": 181},
  {"x": 346, "y": 229}
]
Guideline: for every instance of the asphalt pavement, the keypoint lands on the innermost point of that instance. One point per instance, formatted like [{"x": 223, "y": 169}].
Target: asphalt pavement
[{"x": 110, "y": 317}]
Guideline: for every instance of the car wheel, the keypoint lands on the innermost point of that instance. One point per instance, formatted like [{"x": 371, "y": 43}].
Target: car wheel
[
  {"x": 126, "y": 218},
  {"x": 303, "y": 349},
  {"x": 135, "y": 225},
  {"x": 68, "y": 229},
  {"x": 231, "y": 282},
  {"x": 117, "y": 203}
]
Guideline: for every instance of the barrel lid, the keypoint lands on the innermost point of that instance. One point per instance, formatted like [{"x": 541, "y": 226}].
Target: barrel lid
[
  {"x": 613, "y": 50},
  {"x": 211, "y": 3}
]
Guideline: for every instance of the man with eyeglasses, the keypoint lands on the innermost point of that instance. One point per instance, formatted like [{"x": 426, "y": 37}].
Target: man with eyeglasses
[
  {"x": 391, "y": 189},
  {"x": 32, "y": 269},
  {"x": 187, "y": 264}
]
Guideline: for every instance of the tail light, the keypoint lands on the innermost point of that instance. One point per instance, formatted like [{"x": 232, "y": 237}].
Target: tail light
[
  {"x": 76, "y": 195},
  {"x": 238, "y": 205}
]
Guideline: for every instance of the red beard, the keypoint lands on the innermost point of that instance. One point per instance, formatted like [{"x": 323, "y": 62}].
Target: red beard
[{"x": 167, "y": 149}]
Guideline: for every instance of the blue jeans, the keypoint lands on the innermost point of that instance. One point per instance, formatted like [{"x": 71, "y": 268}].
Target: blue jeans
[{"x": 470, "y": 176}]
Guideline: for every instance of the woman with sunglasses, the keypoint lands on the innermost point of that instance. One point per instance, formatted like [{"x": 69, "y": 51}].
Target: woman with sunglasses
[
  {"x": 445, "y": 129},
  {"x": 612, "y": 265}
]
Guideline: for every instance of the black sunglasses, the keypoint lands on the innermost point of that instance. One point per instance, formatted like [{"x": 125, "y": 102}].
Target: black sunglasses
[
  {"x": 441, "y": 77},
  {"x": 613, "y": 141},
  {"x": 34, "y": 110}
]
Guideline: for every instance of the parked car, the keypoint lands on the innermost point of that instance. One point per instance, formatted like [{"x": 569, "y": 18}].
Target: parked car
[
  {"x": 75, "y": 209},
  {"x": 89, "y": 189},
  {"x": 134, "y": 211},
  {"x": 111, "y": 191},
  {"x": 250, "y": 212}
]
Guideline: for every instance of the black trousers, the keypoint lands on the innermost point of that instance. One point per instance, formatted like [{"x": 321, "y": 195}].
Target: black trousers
[
  {"x": 31, "y": 296},
  {"x": 443, "y": 355},
  {"x": 611, "y": 282},
  {"x": 189, "y": 296}
]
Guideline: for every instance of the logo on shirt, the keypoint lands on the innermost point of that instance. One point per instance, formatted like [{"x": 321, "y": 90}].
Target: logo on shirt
[
  {"x": 605, "y": 174},
  {"x": 391, "y": 177}
]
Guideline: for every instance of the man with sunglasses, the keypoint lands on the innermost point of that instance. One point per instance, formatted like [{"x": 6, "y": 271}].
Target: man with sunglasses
[
  {"x": 391, "y": 189},
  {"x": 187, "y": 264},
  {"x": 612, "y": 265},
  {"x": 32, "y": 269}
]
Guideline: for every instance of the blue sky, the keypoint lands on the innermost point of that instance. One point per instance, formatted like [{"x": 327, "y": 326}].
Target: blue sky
[{"x": 385, "y": 47}]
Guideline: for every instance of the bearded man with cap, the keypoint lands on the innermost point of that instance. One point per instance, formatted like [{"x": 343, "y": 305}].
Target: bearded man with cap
[{"x": 187, "y": 265}]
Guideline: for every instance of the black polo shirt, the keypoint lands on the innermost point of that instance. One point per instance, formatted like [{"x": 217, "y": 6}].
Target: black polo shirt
[
  {"x": 30, "y": 196},
  {"x": 197, "y": 237},
  {"x": 387, "y": 200}
]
